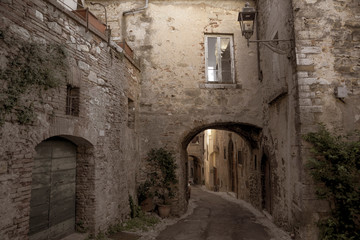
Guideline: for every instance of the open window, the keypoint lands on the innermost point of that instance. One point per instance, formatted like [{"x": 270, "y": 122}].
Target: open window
[{"x": 219, "y": 59}]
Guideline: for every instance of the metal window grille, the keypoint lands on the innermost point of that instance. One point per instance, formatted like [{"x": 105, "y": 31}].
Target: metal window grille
[{"x": 73, "y": 101}]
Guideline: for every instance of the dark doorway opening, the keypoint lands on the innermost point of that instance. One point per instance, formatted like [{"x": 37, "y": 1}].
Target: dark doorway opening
[
  {"x": 266, "y": 184},
  {"x": 232, "y": 166}
]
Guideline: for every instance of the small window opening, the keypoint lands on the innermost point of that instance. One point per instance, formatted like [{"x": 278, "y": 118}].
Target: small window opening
[{"x": 72, "y": 101}]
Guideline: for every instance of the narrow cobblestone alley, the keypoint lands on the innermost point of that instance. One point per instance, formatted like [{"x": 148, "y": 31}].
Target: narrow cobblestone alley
[{"x": 215, "y": 218}]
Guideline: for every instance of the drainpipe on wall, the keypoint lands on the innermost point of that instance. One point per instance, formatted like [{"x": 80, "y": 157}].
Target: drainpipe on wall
[{"x": 137, "y": 10}]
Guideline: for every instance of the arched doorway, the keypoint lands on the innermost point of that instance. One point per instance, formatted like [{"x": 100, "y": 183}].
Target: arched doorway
[
  {"x": 266, "y": 203},
  {"x": 197, "y": 171},
  {"x": 53, "y": 192},
  {"x": 232, "y": 166},
  {"x": 194, "y": 170}
]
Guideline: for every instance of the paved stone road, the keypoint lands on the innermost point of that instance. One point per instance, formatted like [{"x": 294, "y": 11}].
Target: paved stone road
[{"x": 215, "y": 218}]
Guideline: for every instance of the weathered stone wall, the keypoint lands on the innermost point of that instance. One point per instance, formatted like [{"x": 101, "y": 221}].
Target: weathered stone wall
[
  {"x": 326, "y": 42},
  {"x": 175, "y": 102},
  {"x": 280, "y": 112},
  {"x": 107, "y": 148},
  {"x": 328, "y": 52}
]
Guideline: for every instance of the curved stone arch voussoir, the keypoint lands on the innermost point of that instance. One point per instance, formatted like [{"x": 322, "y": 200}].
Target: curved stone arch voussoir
[{"x": 249, "y": 132}]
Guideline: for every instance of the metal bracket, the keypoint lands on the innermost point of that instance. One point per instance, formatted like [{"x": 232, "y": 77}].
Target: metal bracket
[{"x": 271, "y": 47}]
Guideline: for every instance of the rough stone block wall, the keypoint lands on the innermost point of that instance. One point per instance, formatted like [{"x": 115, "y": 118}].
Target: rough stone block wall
[
  {"x": 280, "y": 110},
  {"x": 175, "y": 102},
  {"x": 107, "y": 148},
  {"x": 328, "y": 52}
]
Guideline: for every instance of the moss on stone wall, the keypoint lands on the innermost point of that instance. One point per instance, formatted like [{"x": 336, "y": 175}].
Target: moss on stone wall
[{"x": 33, "y": 67}]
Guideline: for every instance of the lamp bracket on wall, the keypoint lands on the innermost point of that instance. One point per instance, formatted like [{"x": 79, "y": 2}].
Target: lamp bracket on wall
[
  {"x": 247, "y": 19},
  {"x": 272, "y": 45}
]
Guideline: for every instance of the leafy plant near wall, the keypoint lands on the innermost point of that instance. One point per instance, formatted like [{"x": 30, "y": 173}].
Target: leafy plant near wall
[
  {"x": 144, "y": 191},
  {"x": 162, "y": 175},
  {"x": 33, "y": 67},
  {"x": 135, "y": 211},
  {"x": 336, "y": 169}
]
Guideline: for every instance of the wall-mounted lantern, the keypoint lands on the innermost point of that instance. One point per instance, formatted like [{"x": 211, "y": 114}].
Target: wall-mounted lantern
[{"x": 247, "y": 19}]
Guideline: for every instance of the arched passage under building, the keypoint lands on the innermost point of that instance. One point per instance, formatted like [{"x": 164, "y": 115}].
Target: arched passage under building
[
  {"x": 61, "y": 187},
  {"x": 230, "y": 152}
]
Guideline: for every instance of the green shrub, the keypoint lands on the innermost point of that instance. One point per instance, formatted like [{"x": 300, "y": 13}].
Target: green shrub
[
  {"x": 135, "y": 211},
  {"x": 144, "y": 191},
  {"x": 162, "y": 175},
  {"x": 336, "y": 168}
]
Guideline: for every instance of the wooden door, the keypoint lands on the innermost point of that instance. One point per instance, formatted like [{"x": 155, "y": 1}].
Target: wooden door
[{"x": 52, "y": 206}]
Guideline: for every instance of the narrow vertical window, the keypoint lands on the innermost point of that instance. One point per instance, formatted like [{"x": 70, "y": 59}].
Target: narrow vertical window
[
  {"x": 131, "y": 113},
  {"x": 219, "y": 59},
  {"x": 240, "y": 160},
  {"x": 72, "y": 101},
  {"x": 255, "y": 163}
]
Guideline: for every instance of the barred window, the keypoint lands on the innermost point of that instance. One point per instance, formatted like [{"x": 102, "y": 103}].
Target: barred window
[{"x": 72, "y": 101}]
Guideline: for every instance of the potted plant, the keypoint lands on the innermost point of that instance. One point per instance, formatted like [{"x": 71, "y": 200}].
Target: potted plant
[
  {"x": 162, "y": 177},
  {"x": 144, "y": 196}
]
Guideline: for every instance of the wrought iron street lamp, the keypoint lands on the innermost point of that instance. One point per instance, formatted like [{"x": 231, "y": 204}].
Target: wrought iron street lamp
[{"x": 247, "y": 19}]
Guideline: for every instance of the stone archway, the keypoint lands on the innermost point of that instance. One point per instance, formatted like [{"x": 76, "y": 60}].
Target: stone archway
[
  {"x": 61, "y": 188},
  {"x": 250, "y": 133}
]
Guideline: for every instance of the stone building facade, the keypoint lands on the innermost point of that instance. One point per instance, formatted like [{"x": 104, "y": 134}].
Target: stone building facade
[
  {"x": 177, "y": 102},
  {"x": 100, "y": 135},
  {"x": 228, "y": 166},
  {"x": 197, "y": 73},
  {"x": 320, "y": 84}
]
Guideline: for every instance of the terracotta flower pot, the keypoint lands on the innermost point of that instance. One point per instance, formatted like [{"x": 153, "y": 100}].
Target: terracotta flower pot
[
  {"x": 164, "y": 210},
  {"x": 147, "y": 205}
]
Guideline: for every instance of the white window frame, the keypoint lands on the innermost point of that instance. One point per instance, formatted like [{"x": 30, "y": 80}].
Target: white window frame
[{"x": 219, "y": 51}]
